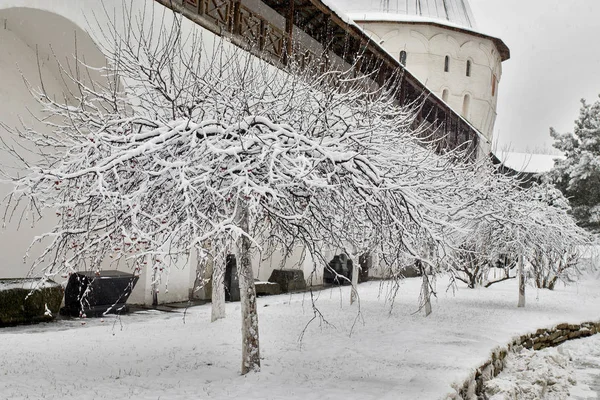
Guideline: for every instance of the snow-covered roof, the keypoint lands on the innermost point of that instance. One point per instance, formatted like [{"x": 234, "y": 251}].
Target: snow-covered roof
[
  {"x": 452, "y": 14},
  {"x": 456, "y": 12},
  {"x": 26, "y": 283},
  {"x": 526, "y": 162},
  {"x": 338, "y": 7}
]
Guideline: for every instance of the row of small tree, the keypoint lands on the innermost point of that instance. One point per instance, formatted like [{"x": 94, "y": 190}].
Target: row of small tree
[
  {"x": 534, "y": 228},
  {"x": 197, "y": 146}
]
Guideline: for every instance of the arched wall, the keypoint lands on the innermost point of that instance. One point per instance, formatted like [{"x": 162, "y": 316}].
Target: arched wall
[
  {"x": 19, "y": 61},
  {"x": 428, "y": 45}
]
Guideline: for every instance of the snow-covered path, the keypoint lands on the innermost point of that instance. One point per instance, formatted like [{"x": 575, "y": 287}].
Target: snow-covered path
[
  {"x": 585, "y": 354},
  {"x": 397, "y": 355}
]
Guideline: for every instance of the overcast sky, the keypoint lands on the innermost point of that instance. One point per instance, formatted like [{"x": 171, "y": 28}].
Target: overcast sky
[{"x": 555, "y": 61}]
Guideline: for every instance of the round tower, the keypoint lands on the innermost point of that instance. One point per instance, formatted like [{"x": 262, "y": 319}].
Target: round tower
[{"x": 438, "y": 41}]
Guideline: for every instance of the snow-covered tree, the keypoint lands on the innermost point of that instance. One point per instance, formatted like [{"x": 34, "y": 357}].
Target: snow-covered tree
[
  {"x": 578, "y": 174},
  {"x": 556, "y": 256},
  {"x": 194, "y": 147},
  {"x": 548, "y": 266},
  {"x": 483, "y": 249},
  {"x": 536, "y": 220},
  {"x": 514, "y": 224},
  {"x": 190, "y": 146}
]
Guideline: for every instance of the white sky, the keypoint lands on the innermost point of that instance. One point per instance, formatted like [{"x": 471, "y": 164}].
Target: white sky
[{"x": 555, "y": 61}]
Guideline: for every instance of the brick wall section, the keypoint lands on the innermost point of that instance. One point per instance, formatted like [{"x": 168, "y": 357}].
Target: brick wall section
[{"x": 472, "y": 388}]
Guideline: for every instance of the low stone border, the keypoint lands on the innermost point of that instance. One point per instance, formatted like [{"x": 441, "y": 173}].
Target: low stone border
[{"x": 472, "y": 388}]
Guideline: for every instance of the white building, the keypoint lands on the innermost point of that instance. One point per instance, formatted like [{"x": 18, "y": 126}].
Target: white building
[{"x": 438, "y": 41}]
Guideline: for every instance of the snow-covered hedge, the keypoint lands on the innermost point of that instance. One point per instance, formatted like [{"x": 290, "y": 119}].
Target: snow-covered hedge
[{"x": 28, "y": 301}]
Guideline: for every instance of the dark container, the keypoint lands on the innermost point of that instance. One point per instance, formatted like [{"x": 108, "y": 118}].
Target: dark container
[
  {"x": 289, "y": 280},
  {"x": 97, "y": 293},
  {"x": 232, "y": 283},
  {"x": 339, "y": 268},
  {"x": 364, "y": 262}
]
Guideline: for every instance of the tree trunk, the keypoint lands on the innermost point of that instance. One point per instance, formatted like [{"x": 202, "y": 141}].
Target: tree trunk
[
  {"x": 218, "y": 291},
  {"x": 155, "y": 287},
  {"x": 250, "y": 345},
  {"x": 426, "y": 295},
  {"x": 354, "y": 292},
  {"x": 521, "y": 273}
]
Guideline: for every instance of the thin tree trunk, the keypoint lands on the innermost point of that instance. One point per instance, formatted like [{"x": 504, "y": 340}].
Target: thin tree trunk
[
  {"x": 218, "y": 292},
  {"x": 521, "y": 273},
  {"x": 426, "y": 295},
  {"x": 155, "y": 287},
  {"x": 354, "y": 292},
  {"x": 250, "y": 344}
]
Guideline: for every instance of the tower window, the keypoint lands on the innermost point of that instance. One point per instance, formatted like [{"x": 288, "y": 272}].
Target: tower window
[
  {"x": 466, "y": 105},
  {"x": 468, "y": 67},
  {"x": 447, "y": 64},
  {"x": 403, "y": 57},
  {"x": 494, "y": 83},
  {"x": 445, "y": 95}
]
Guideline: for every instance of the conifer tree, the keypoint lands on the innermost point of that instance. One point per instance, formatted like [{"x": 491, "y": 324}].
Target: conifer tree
[{"x": 578, "y": 174}]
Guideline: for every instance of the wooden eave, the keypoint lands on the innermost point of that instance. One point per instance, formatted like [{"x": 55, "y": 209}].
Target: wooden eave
[{"x": 345, "y": 39}]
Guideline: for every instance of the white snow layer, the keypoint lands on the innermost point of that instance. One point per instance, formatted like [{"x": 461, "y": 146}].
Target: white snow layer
[
  {"x": 528, "y": 163},
  {"x": 379, "y": 354},
  {"x": 571, "y": 370},
  {"x": 456, "y": 12},
  {"x": 28, "y": 284}
]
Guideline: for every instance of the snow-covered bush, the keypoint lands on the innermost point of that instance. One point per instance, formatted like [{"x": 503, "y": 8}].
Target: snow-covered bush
[{"x": 28, "y": 300}]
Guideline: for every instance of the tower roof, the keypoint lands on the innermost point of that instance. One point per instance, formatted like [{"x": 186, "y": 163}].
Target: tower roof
[
  {"x": 454, "y": 12},
  {"x": 451, "y": 14}
]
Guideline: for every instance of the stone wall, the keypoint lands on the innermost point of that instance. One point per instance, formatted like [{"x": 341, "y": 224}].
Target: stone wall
[{"x": 472, "y": 388}]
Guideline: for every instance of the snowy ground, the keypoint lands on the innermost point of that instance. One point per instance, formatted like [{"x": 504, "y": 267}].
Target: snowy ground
[
  {"x": 585, "y": 356},
  {"x": 397, "y": 355},
  {"x": 571, "y": 370}
]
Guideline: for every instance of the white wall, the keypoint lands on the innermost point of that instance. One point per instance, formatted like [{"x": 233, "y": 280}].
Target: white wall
[
  {"x": 46, "y": 32},
  {"x": 263, "y": 266},
  {"x": 15, "y": 101},
  {"x": 428, "y": 45}
]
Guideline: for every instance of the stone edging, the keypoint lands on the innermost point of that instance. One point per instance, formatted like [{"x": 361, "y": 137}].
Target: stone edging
[{"x": 472, "y": 388}]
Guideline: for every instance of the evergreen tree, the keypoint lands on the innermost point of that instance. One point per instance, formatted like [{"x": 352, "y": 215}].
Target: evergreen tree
[{"x": 578, "y": 174}]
